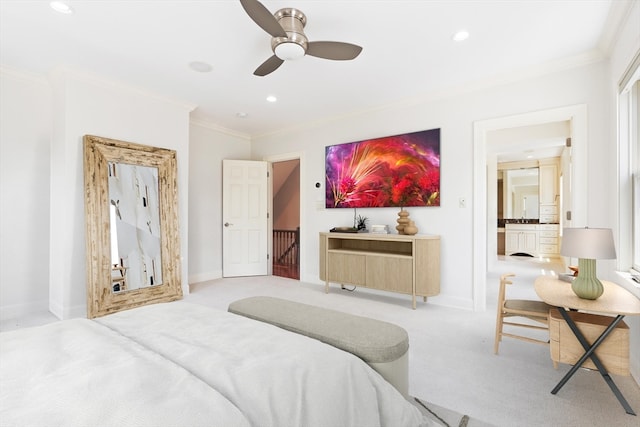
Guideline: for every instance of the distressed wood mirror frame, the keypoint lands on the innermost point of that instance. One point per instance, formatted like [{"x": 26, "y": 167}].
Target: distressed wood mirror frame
[{"x": 98, "y": 152}]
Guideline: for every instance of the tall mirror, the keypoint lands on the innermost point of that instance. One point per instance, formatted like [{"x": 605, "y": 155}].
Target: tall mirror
[
  {"x": 132, "y": 231},
  {"x": 135, "y": 227}
]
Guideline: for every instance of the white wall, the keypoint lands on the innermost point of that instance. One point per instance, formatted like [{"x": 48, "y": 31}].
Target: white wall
[
  {"x": 455, "y": 116},
  {"x": 87, "y": 105},
  {"x": 25, "y": 135},
  {"x": 209, "y": 147}
]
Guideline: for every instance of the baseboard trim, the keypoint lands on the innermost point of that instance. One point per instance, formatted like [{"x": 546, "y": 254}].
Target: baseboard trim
[
  {"x": 19, "y": 310},
  {"x": 205, "y": 277}
]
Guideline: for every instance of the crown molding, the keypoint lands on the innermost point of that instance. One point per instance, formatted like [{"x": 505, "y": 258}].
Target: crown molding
[
  {"x": 619, "y": 12},
  {"x": 207, "y": 123},
  {"x": 525, "y": 73},
  {"x": 62, "y": 72}
]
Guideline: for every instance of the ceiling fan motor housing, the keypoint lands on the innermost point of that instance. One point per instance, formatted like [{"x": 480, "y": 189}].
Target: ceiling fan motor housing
[{"x": 295, "y": 44}]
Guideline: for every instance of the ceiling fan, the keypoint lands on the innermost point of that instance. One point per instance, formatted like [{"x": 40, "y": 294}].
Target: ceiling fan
[{"x": 288, "y": 39}]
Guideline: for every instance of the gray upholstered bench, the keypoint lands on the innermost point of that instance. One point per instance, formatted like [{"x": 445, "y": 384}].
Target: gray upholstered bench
[{"x": 382, "y": 345}]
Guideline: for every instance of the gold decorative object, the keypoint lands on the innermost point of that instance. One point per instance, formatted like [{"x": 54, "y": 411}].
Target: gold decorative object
[
  {"x": 403, "y": 220},
  {"x": 410, "y": 229}
]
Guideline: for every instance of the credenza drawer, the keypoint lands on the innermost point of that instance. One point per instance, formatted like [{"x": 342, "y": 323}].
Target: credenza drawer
[{"x": 347, "y": 268}]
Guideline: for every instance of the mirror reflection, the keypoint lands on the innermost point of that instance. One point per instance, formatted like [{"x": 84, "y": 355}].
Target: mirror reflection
[
  {"x": 521, "y": 193},
  {"x": 135, "y": 227}
]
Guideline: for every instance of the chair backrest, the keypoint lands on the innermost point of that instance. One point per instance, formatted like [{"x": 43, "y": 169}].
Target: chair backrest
[
  {"x": 514, "y": 308},
  {"x": 504, "y": 281}
]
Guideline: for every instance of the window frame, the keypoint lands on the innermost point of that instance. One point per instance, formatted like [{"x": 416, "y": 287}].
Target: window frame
[{"x": 629, "y": 169}]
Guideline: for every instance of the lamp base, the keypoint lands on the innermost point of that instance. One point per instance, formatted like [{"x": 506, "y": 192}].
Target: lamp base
[{"x": 587, "y": 285}]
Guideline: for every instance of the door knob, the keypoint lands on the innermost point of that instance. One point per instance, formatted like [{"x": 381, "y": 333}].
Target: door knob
[{"x": 226, "y": 224}]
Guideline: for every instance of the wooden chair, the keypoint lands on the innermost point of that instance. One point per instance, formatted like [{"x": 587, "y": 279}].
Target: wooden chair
[{"x": 537, "y": 311}]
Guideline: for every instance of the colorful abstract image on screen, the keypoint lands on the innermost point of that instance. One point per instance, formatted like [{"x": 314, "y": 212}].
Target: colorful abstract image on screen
[{"x": 400, "y": 170}]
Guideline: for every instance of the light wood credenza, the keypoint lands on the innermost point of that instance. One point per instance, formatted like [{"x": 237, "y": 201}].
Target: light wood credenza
[{"x": 388, "y": 262}]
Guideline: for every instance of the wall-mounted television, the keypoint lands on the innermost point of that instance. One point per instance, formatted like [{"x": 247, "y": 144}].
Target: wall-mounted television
[{"x": 399, "y": 170}]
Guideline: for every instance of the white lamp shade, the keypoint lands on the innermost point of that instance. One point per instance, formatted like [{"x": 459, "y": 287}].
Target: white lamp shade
[{"x": 588, "y": 243}]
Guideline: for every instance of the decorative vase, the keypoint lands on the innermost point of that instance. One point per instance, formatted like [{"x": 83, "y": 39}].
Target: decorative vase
[
  {"x": 403, "y": 220},
  {"x": 587, "y": 285},
  {"x": 410, "y": 229}
]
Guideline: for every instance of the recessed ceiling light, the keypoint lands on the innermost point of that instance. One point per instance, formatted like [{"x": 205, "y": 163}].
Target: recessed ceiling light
[
  {"x": 61, "y": 7},
  {"x": 242, "y": 115},
  {"x": 271, "y": 98},
  {"x": 201, "y": 67},
  {"x": 460, "y": 36}
]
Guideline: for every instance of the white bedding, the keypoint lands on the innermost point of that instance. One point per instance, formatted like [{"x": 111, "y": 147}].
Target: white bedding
[
  {"x": 79, "y": 373},
  {"x": 130, "y": 368}
]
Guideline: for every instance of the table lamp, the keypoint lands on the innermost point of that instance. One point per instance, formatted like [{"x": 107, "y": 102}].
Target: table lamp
[{"x": 588, "y": 245}]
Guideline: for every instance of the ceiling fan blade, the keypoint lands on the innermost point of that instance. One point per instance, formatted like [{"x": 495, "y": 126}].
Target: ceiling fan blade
[
  {"x": 261, "y": 16},
  {"x": 333, "y": 50},
  {"x": 268, "y": 66}
]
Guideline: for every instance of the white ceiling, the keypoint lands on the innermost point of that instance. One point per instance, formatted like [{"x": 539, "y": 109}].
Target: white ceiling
[{"x": 407, "y": 52}]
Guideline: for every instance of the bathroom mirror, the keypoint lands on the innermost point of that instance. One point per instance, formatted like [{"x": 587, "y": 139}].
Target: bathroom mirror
[
  {"x": 521, "y": 197},
  {"x": 132, "y": 231}
]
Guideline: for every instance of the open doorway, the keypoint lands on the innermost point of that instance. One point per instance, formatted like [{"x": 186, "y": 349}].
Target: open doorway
[
  {"x": 530, "y": 163},
  {"x": 286, "y": 218},
  {"x": 485, "y": 172}
]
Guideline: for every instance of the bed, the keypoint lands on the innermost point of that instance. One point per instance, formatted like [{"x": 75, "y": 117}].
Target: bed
[{"x": 183, "y": 364}]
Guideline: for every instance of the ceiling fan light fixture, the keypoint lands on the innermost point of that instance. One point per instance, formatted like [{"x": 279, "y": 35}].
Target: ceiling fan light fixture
[
  {"x": 289, "y": 50},
  {"x": 288, "y": 40}
]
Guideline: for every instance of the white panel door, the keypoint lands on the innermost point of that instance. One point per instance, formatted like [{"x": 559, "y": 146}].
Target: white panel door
[{"x": 244, "y": 218}]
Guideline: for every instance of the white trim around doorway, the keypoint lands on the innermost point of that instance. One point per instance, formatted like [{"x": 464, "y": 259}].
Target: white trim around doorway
[{"x": 577, "y": 116}]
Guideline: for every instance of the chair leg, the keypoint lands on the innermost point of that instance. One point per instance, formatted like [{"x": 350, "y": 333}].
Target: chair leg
[{"x": 498, "y": 337}]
